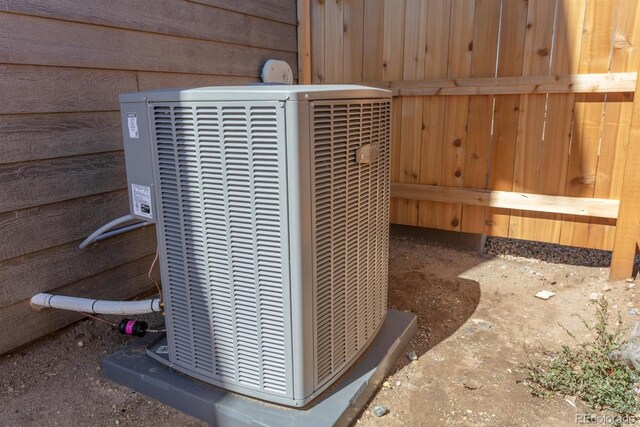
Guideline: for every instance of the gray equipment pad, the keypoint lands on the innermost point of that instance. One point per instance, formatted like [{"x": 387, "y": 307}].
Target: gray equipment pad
[{"x": 339, "y": 405}]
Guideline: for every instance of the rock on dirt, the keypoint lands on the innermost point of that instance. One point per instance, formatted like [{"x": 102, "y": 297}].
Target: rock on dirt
[
  {"x": 545, "y": 294},
  {"x": 380, "y": 410},
  {"x": 482, "y": 324}
]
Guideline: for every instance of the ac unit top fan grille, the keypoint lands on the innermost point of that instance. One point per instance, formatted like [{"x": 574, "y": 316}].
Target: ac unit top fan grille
[{"x": 222, "y": 207}]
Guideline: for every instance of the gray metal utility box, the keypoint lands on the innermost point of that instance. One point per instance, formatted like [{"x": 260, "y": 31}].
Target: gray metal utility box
[{"x": 272, "y": 213}]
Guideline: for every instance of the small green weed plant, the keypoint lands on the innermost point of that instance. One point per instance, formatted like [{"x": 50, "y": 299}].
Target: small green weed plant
[{"x": 587, "y": 371}]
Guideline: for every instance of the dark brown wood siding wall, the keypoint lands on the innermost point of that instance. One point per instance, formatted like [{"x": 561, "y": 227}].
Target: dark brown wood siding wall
[{"x": 63, "y": 64}]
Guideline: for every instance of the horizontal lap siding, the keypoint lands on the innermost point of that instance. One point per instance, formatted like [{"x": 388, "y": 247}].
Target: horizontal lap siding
[
  {"x": 277, "y": 10},
  {"x": 29, "y": 230},
  {"x": 29, "y": 137},
  {"x": 37, "y": 89},
  {"x": 169, "y": 17},
  {"x": 62, "y": 66},
  {"x": 34, "y": 40},
  {"x": 47, "y": 181}
]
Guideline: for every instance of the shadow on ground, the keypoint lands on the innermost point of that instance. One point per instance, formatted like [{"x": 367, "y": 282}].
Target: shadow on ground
[{"x": 431, "y": 289}]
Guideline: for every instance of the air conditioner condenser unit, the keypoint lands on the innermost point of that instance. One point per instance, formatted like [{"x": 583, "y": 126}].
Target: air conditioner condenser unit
[{"x": 272, "y": 210}]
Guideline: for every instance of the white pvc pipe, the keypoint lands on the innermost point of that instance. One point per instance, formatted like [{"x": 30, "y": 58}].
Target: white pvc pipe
[{"x": 87, "y": 305}]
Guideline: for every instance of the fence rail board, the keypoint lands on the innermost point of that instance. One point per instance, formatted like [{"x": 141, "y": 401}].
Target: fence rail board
[
  {"x": 603, "y": 208},
  {"x": 572, "y": 83}
]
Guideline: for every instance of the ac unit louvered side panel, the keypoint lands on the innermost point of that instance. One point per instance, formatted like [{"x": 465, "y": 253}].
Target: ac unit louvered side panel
[
  {"x": 223, "y": 215},
  {"x": 351, "y": 202}
]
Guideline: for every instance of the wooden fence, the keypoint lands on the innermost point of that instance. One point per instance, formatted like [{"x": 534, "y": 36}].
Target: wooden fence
[{"x": 511, "y": 117}]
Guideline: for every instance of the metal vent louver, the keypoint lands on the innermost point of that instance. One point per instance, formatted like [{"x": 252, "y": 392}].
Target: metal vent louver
[
  {"x": 351, "y": 229},
  {"x": 221, "y": 210}
]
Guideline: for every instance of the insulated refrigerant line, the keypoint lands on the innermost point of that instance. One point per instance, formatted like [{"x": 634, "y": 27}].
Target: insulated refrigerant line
[{"x": 88, "y": 305}]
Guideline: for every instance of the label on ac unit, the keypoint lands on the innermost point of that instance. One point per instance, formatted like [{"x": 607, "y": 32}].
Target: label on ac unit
[
  {"x": 132, "y": 120},
  {"x": 141, "y": 196}
]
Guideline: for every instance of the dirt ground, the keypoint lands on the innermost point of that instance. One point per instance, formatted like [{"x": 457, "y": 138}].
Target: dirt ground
[{"x": 478, "y": 323}]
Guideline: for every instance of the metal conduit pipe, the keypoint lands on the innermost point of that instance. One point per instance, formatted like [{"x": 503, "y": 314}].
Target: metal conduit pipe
[{"x": 106, "y": 230}]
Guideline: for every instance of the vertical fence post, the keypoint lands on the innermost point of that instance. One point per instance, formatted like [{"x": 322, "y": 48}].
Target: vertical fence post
[
  {"x": 628, "y": 224},
  {"x": 304, "y": 42}
]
